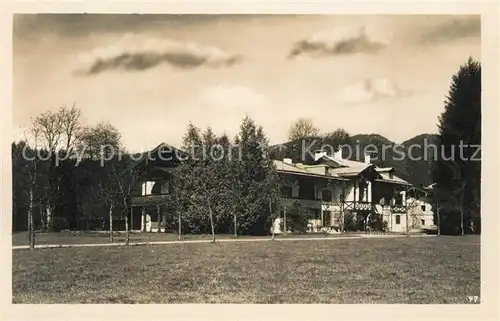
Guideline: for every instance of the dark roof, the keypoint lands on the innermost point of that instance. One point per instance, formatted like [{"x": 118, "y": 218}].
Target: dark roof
[{"x": 139, "y": 158}]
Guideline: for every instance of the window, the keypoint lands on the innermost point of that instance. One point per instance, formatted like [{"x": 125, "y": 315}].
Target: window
[
  {"x": 326, "y": 195},
  {"x": 398, "y": 199},
  {"x": 398, "y": 219},
  {"x": 307, "y": 190},
  {"x": 422, "y": 222},
  {"x": 363, "y": 188},
  {"x": 423, "y": 207},
  {"x": 160, "y": 187},
  {"x": 391, "y": 175},
  {"x": 165, "y": 187},
  {"x": 327, "y": 218}
]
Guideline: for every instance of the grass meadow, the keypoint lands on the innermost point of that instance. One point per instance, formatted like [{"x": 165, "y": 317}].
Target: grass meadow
[{"x": 441, "y": 269}]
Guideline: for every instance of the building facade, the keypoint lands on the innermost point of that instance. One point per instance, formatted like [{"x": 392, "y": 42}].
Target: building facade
[
  {"x": 332, "y": 188},
  {"x": 328, "y": 190}
]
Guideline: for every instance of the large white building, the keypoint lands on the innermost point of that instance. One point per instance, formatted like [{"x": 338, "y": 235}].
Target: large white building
[
  {"x": 327, "y": 190},
  {"x": 331, "y": 188}
]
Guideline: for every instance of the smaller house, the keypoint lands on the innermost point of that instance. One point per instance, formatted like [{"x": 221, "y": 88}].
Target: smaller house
[
  {"x": 420, "y": 209},
  {"x": 155, "y": 169},
  {"x": 331, "y": 187}
]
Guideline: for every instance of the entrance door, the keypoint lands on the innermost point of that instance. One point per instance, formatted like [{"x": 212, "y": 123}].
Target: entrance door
[{"x": 327, "y": 218}]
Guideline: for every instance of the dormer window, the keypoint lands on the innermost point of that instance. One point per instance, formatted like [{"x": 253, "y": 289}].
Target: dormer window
[{"x": 161, "y": 187}]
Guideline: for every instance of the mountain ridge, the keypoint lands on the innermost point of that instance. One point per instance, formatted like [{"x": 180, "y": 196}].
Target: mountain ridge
[{"x": 410, "y": 160}]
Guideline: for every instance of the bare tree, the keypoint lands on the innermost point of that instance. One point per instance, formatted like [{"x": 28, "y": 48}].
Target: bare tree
[
  {"x": 125, "y": 179},
  {"x": 106, "y": 191},
  {"x": 57, "y": 132},
  {"x": 302, "y": 128},
  {"x": 28, "y": 156},
  {"x": 71, "y": 126}
]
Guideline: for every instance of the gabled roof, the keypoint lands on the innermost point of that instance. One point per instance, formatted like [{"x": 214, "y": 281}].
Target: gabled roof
[
  {"x": 145, "y": 156},
  {"x": 346, "y": 169},
  {"x": 350, "y": 171},
  {"x": 306, "y": 170},
  {"x": 341, "y": 162},
  {"x": 386, "y": 178}
]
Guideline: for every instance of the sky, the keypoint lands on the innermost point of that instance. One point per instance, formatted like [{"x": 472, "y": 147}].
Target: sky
[{"x": 150, "y": 75}]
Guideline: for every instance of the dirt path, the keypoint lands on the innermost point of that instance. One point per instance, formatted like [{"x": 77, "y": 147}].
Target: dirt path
[{"x": 55, "y": 246}]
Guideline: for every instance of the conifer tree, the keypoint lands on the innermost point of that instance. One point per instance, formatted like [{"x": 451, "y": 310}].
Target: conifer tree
[{"x": 457, "y": 171}]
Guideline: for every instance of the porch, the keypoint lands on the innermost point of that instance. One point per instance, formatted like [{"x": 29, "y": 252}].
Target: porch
[
  {"x": 149, "y": 212},
  {"x": 328, "y": 217}
]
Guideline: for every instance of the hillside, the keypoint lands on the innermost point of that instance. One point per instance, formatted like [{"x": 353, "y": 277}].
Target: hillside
[
  {"x": 419, "y": 170},
  {"x": 384, "y": 153}
]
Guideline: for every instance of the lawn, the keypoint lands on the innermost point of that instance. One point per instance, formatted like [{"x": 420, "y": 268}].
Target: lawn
[{"x": 441, "y": 269}]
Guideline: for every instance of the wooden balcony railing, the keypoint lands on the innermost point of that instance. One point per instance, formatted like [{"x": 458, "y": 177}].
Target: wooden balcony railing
[
  {"x": 398, "y": 208},
  {"x": 310, "y": 203},
  {"x": 148, "y": 199},
  {"x": 358, "y": 206}
]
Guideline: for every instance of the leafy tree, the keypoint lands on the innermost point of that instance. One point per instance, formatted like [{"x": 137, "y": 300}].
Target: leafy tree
[
  {"x": 225, "y": 187},
  {"x": 255, "y": 168},
  {"x": 350, "y": 222},
  {"x": 102, "y": 143},
  {"x": 302, "y": 128},
  {"x": 457, "y": 170},
  {"x": 199, "y": 184},
  {"x": 296, "y": 218},
  {"x": 336, "y": 138},
  {"x": 375, "y": 222},
  {"x": 98, "y": 139}
]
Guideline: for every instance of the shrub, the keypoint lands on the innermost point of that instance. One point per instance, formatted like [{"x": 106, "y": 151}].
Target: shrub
[
  {"x": 296, "y": 218},
  {"x": 350, "y": 223},
  {"x": 375, "y": 222},
  {"x": 60, "y": 223}
]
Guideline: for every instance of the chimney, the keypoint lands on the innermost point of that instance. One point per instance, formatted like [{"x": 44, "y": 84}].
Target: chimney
[
  {"x": 367, "y": 158},
  {"x": 338, "y": 154},
  {"x": 318, "y": 154},
  {"x": 287, "y": 161}
]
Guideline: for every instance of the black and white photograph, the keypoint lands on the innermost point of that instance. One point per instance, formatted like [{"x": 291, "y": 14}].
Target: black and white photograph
[{"x": 246, "y": 158}]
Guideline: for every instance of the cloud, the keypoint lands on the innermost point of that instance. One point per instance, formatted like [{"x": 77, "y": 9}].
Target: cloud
[
  {"x": 341, "y": 41},
  {"x": 453, "y": 29},
  {"x": 371, "y": 90},
  {"x": 78, "y": 24},
  {"x": 134, "y": 54}
]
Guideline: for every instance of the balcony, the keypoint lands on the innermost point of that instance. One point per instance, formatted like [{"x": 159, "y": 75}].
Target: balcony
[
  {"x": 398, "y": 209},
  {"x": 148, "y": 199},
  {"x": 358, "y": 206},
  {"x": 317, "y": 204}
]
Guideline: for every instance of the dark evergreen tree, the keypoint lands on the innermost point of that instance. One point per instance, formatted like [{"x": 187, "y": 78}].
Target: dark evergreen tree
[{"x": 457, "y": 171}]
